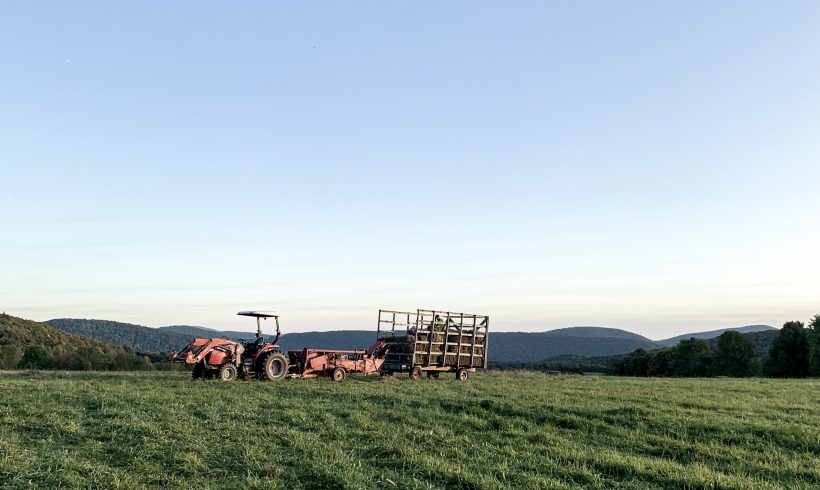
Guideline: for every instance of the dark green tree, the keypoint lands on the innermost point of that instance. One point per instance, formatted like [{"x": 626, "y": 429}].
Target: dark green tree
[
  {"x": 789, "y": 355},
  {"x": 735, "y": 356},
  {"x": 814, "y": 346},
  {"x": 9, "y": 356},
  {"x": 35, "y": 357},
  {"x": 690, "y": 358},
  {"x": 659, "y": 364},
  {"x": 635, "y": 364}
]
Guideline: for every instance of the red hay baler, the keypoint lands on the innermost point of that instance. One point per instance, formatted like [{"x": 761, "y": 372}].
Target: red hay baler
[{"x": 312, "y": 363}]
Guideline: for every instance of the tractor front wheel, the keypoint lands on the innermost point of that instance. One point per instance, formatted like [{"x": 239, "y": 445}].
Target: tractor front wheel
[
  {"x": 462, "y": 374},
  {"x": 227, "y": 372},
  {"x": 415, "y": 373},
  {"x": 275, "y": 366},
  {"x": 339, "y": 374}
]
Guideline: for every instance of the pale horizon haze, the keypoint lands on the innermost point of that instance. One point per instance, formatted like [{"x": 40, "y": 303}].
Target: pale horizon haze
[{"x": 651, "y": 166}]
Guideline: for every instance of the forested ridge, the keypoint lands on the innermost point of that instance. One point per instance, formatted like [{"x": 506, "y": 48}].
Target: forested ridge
[
  {"x": 137, "y": 337},
  {"x": 26, "y": 344}
]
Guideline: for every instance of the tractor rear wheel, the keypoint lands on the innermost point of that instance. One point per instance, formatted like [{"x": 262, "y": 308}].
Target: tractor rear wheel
[
  {"x": 275, "y": 366},
  {"x": 415, "y": 373},
  {"x": 339, "y": 374},
  {"x": 227, "y": 372},
  {"x": 462, "y": 375}
]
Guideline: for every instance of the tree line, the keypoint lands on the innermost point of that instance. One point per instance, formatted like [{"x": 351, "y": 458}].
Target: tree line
[
  {"x": 795, "y": 353},
  {"x": 25, "y": 344},
  {"x": 82, "y": 359}
]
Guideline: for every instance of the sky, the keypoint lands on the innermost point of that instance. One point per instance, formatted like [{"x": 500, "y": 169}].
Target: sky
[{"x": 652, "y": 166}]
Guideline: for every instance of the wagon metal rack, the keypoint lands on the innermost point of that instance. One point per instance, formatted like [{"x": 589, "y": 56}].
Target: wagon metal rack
[{"x": 433, "y": 341}]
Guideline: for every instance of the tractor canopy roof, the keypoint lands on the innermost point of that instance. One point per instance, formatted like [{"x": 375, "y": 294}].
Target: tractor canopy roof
[{"x": 259, "y": 314}]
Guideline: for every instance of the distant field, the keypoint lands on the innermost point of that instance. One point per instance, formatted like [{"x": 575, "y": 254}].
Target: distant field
[{"x": 134, "y": 430}]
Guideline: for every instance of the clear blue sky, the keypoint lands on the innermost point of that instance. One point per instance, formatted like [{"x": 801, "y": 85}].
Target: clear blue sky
[{"x": 646, "y": 165}]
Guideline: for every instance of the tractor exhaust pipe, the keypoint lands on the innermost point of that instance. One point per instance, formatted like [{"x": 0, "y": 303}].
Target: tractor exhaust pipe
[{"x": 278, "y": 333}]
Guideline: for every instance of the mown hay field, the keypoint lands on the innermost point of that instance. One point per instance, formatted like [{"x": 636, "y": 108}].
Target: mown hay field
[{"x": 513, "y": 430}]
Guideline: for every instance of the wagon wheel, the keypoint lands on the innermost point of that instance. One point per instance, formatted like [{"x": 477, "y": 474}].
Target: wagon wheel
[
  {"x": 462, "y": 375},
  {"x": 432, "y": 375},
  {"x": 415, "y": 373},
  {"x": 339, "y": 374},
  {"x": 275, "y": 366},
  {"x": 227, "y": 372}
]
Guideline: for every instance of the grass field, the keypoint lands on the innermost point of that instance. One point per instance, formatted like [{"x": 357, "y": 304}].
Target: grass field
[{"x": 134, "y": 430}]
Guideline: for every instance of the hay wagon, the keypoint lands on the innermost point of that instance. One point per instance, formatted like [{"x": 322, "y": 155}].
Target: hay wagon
[{"x": 433, "y": 342}]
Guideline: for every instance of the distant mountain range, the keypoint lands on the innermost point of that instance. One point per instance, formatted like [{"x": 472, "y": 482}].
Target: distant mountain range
[
  {"x": 335, "y": 339},
  {"x": 504, "y": 346},
  {"x": 762, "y": 340},
  {"x": 139, "y": 338},
  {"x": 713, "y": 333},
  {"x": 578, "y": 341}
]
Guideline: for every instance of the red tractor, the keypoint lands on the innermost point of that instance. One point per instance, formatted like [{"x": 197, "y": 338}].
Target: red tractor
[{"x": 228, "y": 359}]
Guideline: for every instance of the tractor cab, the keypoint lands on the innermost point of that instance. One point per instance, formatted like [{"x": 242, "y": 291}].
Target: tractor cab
[{"x": 251, "y": 347}]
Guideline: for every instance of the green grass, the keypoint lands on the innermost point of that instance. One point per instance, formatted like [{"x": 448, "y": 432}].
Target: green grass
[{"x": 136, "y": 430}]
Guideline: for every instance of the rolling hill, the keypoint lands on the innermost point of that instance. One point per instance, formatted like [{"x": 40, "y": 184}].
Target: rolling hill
[
  {"x": 762, "y": 340},
  {"x": 504, "y": 346},
  {"x": 577, "y": 341},
  {"x": 711, "y": 334},
  {"x": 137, "y": 337},
  {"x": 59, "y": 349},
  {"x": 522, "y": 347}
]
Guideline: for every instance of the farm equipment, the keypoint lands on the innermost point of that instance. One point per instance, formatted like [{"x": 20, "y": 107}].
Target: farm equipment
[
  {"x": 433, "y": 342},
  {"x": 228, "y": 359},
  {"x": 428, "y": 341},
  {"x": 312, "y": 363}
]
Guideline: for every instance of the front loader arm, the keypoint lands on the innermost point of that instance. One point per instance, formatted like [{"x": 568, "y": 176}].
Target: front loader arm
[{"x": 197, "y": 350}]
